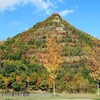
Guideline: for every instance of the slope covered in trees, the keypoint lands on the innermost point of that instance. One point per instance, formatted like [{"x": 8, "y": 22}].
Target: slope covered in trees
[{"x": 20, "y": 58}]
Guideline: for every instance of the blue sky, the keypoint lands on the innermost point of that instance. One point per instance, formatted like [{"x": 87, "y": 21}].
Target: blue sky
[{"x": 18, "y": 15}]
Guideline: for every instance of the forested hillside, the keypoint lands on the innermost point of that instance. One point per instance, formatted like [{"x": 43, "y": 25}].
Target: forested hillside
[{"x": 20, "y": 58}]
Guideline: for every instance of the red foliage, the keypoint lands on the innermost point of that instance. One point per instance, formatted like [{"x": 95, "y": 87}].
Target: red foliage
[
  {"x": 69, "y": 62},
  {"x": 13, "y": 46}
]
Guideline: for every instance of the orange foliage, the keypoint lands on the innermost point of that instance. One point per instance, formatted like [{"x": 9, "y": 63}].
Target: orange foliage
[
  {"x": 38, "y": 81},
  {"x": 94, "y": 68},
  {"x": 48, "y": 80},
  {"x": 17, "y": 78},
  {"x": 6, "y": 81}
]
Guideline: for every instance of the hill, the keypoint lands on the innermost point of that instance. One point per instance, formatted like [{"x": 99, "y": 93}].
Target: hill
[{"x": 20, "y": 57}]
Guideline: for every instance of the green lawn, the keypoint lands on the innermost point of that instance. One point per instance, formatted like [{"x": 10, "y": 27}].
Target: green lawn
[{"x": 51, "y": 97}]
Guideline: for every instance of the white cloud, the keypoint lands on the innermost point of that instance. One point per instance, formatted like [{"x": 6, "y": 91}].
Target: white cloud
[
  {"x": 42, "y": 5},
  {"x": 8, "y": 4},
  {"x": 11, "y": 4},
  {"x": 66, "y": 12}
]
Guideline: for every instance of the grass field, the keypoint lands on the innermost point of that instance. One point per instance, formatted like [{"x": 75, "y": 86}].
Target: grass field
[{"x": 51, "y": 97}]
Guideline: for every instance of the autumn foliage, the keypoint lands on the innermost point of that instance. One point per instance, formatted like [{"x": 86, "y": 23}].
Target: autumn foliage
[
  {"x": 35, "y": 53},
  {"x": 6, "y": 81},
  {"x": 38, "y": 81},
  {"x": 52, "y": 59},
  {"x": 94, "y": 68},
  {"x": 27, "y": 79},
  {"x": 17, "y": 78}
]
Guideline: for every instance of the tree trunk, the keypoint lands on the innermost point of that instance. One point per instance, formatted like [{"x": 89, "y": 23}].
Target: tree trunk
[
  {"x": 13, "y": 92},
  {"x": 54, "y": 92},
  {"x": 98, "y": 89}
]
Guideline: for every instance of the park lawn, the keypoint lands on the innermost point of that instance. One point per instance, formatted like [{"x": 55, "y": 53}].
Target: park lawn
[{"x": 51, "y": 97}]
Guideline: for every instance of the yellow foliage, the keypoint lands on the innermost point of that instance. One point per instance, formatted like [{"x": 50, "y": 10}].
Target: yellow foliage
[{"x": 52, "y": 59}]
